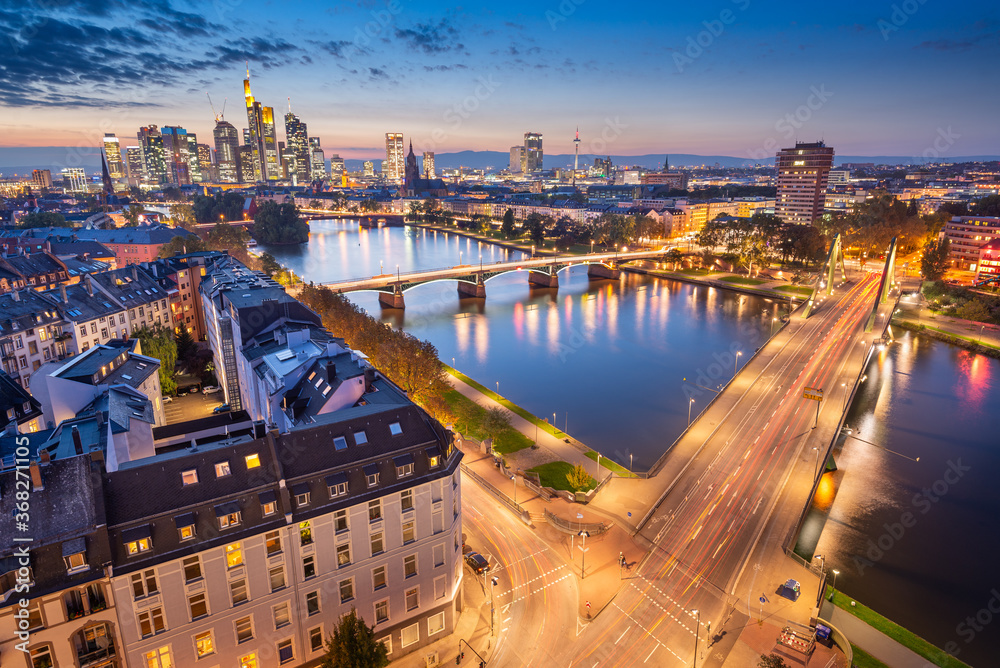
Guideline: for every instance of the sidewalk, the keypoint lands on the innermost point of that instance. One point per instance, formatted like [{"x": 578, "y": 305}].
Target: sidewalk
[
  {"x": 873, "y": 641},
  {"x": 984, "y": 333}
]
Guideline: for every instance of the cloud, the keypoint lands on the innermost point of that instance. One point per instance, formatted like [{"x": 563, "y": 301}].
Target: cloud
[
  {"x": 431, "y": 38},
  {"x": 953, "y": 45}
]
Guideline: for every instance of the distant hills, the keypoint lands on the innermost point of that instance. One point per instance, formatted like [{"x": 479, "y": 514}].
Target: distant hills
[{"x": 21, "y": 160}]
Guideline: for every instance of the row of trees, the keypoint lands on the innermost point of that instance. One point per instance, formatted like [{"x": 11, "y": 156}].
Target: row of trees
[{"x": 763, "y": 239}]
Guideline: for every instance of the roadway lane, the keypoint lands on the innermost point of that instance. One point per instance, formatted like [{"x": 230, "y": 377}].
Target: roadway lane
[
  {"x": 536, "y": 597},
  {"x": 711, "y": 520}
]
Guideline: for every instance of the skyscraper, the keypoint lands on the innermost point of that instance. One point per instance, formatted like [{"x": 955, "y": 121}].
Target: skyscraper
[
  {"x": 271, "y": 158},
  {"x": 227, "y": 143},
  {"x": 133, "y": 164},
  {"x": 114, "y": 156},
  {"x": 803, "y": 173},
  {"x": 429, "y": 172},
  {"x": 194, "y": 161},
  {"x": 205, "y": 163},
  {"x": 516, "y": 159},
  {"x": 337, "y": 170},
  {"x": 176, "y": 155},
  {"x": 245, "y": 164},
  {"x": 41, "y": 178},
  {"x": 297, "y": 143},
  {"x": 369, "y": 168},
  {"x": 261, "y": 136},
  {"x": 394, "y": 166},
  {"x": 74, "y": 179},
  {"x": 154, "y": 168},
  {"x": 317, "y": 160},
  {"x": 534, "y": 155}
]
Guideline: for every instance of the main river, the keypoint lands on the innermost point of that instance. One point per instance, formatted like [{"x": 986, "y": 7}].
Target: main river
[{"x": 611, "y": 356}]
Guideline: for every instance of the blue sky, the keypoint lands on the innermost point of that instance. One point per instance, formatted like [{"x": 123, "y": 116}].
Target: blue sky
[{"x": 730, "y": 77}]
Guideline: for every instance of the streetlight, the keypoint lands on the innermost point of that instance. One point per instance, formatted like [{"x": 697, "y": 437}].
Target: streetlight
[
  {"x": 697, "y": 624},
  {"x": 736, "y": 364},
  {"x": 630, "y": 464},
  {"x": 513, "y": 479},
  {"x": 380, "y": 269},
  {"x": 583, "y": 560},
  {"x": 835, "y": 574},
  {"x": 498, "y": 388},
  {"x": 690, "y": 404},
  {"x": 494, "y": 582},
  {"x": 452, "y": 362}
]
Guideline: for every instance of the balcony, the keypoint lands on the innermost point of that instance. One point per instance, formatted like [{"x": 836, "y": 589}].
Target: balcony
[{"x": 94, "y": 657}]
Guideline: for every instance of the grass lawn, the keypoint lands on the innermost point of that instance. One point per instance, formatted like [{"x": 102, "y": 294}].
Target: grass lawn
[
  {"x": 863, "y": 659},
  {"x": 697, "y": 272},
  {"x": 935, "y": 655},
  {"x": 742, "y": 280},
  {"x": 469, "y": 416},
  {"x": 554, "y": 474},
  {"x": 611, "y": 465},
  {"x": 794, "y": 289},
  {"x": 506, "y": 403}
]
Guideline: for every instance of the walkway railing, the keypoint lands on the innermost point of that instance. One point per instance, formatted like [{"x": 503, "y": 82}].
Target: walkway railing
[
  {"x": 503, "y": 498},
  {"x": 575, "y": 527}
]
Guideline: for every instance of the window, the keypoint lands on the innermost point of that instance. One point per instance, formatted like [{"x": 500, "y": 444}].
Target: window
[
  {"x": 440, "y": 584},
  {"x": 312, "y": 603},
  {"x": 378, "y": 578},
  {"x": 104, "y": 332},
  {"x": 346, "y": 590},
  {"x": 75, "y": 561},
  {"x": 308, "y": 567},
  {"x": 438, "y": 555},
  {"x": 382, "y": 611},
  {"x": 395, "y": 429},
  {"x": 302, "y": 499},
  {"x": 35, "y": 620},
  {"x": 137, "y": 546},
  {"x": 285, "y": 653},
  {"x": 409, "y": 635},
  {"x": 434, "y": 460},
  {"x": 404, "y": 470},
  {"x": 269, "y": 508},
  {"x": 377, "y": 543},
  {"x": 144, "y": 584},
  {"x": 272, "y": 542},
  {"x": 222, "y": 470},
  {"x": 229, "y": 520},
  {"x": 93, "y": 328},
  {"x": 409, "y": 531},
  {"x": 282, "y": 617},
  {"x": 372, "y": 477},
  {"x": 305, "y": 533},
  {"x": 234, "y": 555},
  {"x": 435, "y": 624},
  {"x": 412, "y": 599},
  {"x": 159, "y": 658},
  {"x": 410, "y": 566},
  {"x": 406, "y": 499},
  {"x": 338, "y": 489},
  {"x": 198, "y": 606},
  {"x": 374, "y": 510},
  {"x": 340, "y": 520},
  {"x": 277, "y": 577},
  {"x": 238, "y": 591},
  {"x": 340, "y": 443},
  {"x": 437, "y": 522},
  {"x": 189, "y": 477},
  {"x": 192, "y": 568},
  {"x": 204, "y": 644},
  {"x": 360, "y": 438},
  {"x": 244, "y": 629},
  {"x": 253, "y": 461},
  {"x": 343, "y": 554},
  {"x": 83, "y": 330},
  {"x": 316, "y": 639},
  {"x": 151, "y": 622}
]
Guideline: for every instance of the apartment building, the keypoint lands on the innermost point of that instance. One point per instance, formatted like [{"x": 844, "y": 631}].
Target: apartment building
[
  {"x": 180, "y": 276},
  {"x": 803, "y": 174},
  {"x": 967, "y": 235},
  {"x": 31, "y": 333}
]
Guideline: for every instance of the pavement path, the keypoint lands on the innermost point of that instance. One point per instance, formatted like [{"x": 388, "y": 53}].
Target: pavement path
[
  {"x": 873, "y": 641},
  {"x": 984, "y": 333}
]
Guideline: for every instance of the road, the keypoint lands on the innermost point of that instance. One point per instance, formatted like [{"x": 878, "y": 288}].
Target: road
[
  {"x": 713, "y": 517},
  {"x": 536, "y": 596}
]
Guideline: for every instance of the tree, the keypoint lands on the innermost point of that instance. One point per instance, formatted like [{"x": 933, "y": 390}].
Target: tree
[
  {"x": 131, "y": 214},
  {"x": 986, "y": 206},
  {"x": 496, "y": 420},
  {"x": 182, "y": 244},
  {"x": 771, "y": 661},
  {"x": 279, "y": 224},
  {"x": 934, "y": 263},
  {"x": 579, "y": 478},
  {"x": 675, "y": 257},
  {"x": 183, "y": 216},
  {"x": 974, "y": 309},
  {"x": 43, "y": 219},
  {"x": 268, "y": 264},
  {"x": 369, "y": 205},
  {"x": 314, "y": 204},
  {"x": 507, "y": 228},
  {"x": 158, "y": 342},
  {"x": 536, "y": 228},
  {"x": 353, "y": 645}
]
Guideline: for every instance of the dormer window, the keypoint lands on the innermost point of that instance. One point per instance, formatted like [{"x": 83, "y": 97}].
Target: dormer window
[
  {"x": 301, "y": 492},
  {"x": 339, "y": 443},
  {"x": 268, "y": 503},
  {"x": 75, "y": 555},
  {"x": 189, "y": 477},
  {"x": 395, "y": 429},
  {"x": 185, "y": 526},
  {"x": 404, "y": 466},
  {"x": 228, "y": 514},
  {"x": 137, "y": 540},
  {"x": 371, "y": 474}
]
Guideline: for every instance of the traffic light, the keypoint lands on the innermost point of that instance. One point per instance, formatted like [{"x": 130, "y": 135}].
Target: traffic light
[{"x": 495, "y": 582}]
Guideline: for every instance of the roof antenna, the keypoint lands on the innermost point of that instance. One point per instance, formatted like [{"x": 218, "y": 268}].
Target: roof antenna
[
  {"x": 248, "y": 69},
  {"x": 289, "y": 105}
]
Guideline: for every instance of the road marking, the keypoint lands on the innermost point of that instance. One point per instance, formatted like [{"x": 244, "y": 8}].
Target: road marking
[
  {"x": 622, "y": 635},
  {"x": 698, "y": 531},
  {"x": 760, "y": 474},
  {"x": 651, "y": 654}
]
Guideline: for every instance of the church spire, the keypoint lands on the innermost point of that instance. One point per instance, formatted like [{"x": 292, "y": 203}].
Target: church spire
[{"x": 666, "y": 164}]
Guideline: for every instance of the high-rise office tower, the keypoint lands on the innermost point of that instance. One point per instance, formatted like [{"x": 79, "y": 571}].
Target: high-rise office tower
[
  {"x": 395, "y": 159},
  {"x": 133, "y": 164},
  {"x": 369, "y": 168},
  {"x": 337, "y": 169},
  {"x": 41, "y": 178},
  {"x": 176, "y": 155},
  {"x": 113, "y": 152},
  {"x": 516, "y": 159},
  {"x": 245, "y": 165},
  {"x": 803, "y": 173},
  {"x": 194, "y": 161},
  {"x": 227, "y": 143},
  {"x": 533, "y": 154},
  {"x": 74, "y": 179},
  {"x": 317, "y": 160},
  {"x": 154, "y": 166},
  {"x": 205, "y": 164},
  {"x": 271, "y": 158},
  {"x": 261, "y": 136},
  {"x": 429, "y": 172},
  {"x": 297, "y": 142}
]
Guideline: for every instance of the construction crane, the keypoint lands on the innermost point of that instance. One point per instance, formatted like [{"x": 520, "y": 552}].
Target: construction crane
[{"x": 219, "y": 116}]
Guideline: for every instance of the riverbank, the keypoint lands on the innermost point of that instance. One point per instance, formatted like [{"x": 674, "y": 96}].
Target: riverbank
[{"x": 976, "y": 337}]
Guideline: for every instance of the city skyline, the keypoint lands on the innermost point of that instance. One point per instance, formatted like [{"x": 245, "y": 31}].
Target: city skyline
[{"x": 728, "y": 80}]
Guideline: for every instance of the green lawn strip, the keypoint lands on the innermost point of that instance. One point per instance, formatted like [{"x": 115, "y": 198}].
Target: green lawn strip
[
  {"x": 470, "y": 424},
  {"x": 698, "y": 272},
  {"x": 506, "y": 403},
  {"x": 904, "y": 637},
  {"x": 863, "y": 659},
  {"x": 742, "y": 280},
  {"x": 553, "y": 474},
  {"x": 611, "y": 465},
  {"x": 908, "y": 323},
  {"x": 806, "y": 292}
]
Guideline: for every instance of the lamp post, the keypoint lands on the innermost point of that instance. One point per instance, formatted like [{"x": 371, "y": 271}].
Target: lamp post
[
  {"x": 380, "y": 269},
  {"x": 736, "y": 364},
  {"x": 498, "y": 388},
  {"x": 583, "y": 560},
  {"x": 513, "y": 479},
  {"x": 493, "y": 582},
  {"x": 697, "y": 625},
  {"x": 690, "y": 404},
  {"x": 630, "y": 464},
  {"x": 835, "y": 574},
  {"x": 822, "y": 574}
]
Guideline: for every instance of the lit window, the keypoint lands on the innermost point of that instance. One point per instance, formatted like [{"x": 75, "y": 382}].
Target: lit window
[
  {"x": 234, "y": 555},
  {"x": 269, "y": 508},
  {"x": 186, "y": 532},
  {"x": 189, "y": 477},
  {"x": 159, "y": 658},
  {"x": 435, "y": 624},
  {"x": 412, "y": 599},
  {"x": 204, "y": 644},
  {"x": 229, "y": 520},
  {"x": 374, "y": 510},
  {"x": 253, "y": 461},
  {"x": 272, "y": 542},
  {"x": 344, "y": 554},
  {"x": 222, "y": 470},
  {"x": 305, "y": 533},
  {"x": 75, "y": 561},
  {"x": 137, "y": 546}
]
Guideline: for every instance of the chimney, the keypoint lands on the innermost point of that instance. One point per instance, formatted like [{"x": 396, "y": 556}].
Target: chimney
[
  {"x": 369, "y": 379},
  {"x": 77, "y": 441},
  {"x": 15, "y": 295},
  {"x": 36, "y": 477},
  {"x": 331, "y": 372},
  {"x": 62, "y": 293},
  {"x": 135, "y": 273},
  {"x": 88, "y": 285}
]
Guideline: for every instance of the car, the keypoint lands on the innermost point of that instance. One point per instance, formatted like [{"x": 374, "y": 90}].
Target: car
[
  {"x": 222, "y": 408},
  {"x": 168, "y": 399},
  {"x": 477, "y": 562},
  {"x": 211, "y": 389}
]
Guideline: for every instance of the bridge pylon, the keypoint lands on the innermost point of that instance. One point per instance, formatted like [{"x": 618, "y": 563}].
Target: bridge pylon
[
  {"x": 886, "y": 285},
  {"x": 824, "y": 281}
]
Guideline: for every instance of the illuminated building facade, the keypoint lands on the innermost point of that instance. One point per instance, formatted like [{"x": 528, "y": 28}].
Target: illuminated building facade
[
  {"x": 227, "y": 144},
  {"x": 297, "y": 142},
  {"x": 394, "y": 166},
  {"x": 803, "y": 173},
  {"x": 154, "y": 169},
  {"x": 113, "y": 151}
]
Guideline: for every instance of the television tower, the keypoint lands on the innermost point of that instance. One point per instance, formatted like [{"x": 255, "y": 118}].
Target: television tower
[{"x": 576, "y": 161}]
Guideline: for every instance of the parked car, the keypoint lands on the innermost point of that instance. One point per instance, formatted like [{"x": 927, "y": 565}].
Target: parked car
[
  {"x": 168, "y": 399},
  {"x": 477, "y": 562},
  {"x": 211, "y": 389},
  {"x": 222, "y": 408}
]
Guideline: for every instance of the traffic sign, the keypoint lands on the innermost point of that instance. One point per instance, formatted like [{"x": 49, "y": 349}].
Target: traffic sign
[
  {"x": 812, "y": 393},
  {"x": 763, "y": 600}
]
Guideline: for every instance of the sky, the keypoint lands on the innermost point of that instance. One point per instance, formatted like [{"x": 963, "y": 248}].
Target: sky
[{"x": 724, "y": 77}]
